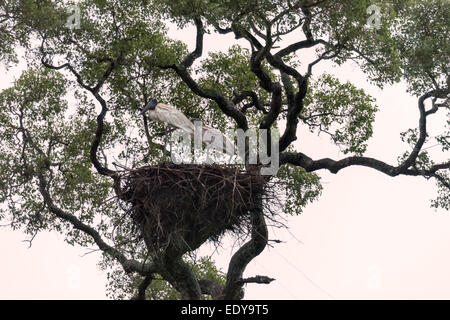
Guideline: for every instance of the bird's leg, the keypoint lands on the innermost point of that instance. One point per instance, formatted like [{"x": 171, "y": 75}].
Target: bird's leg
[
  {"x": 165, "y": 140},
  {"x": 230, "y": 158},
  {"x": 170, "y": 148}
]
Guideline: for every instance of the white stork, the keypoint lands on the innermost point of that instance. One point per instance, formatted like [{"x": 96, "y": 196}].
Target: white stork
[
  {"x": 168, "y": 115},
  {"x": 171, "y": 116}
]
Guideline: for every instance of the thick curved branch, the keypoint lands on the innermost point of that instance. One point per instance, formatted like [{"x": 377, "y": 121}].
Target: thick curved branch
[
  {"x": 334, "y": 166},
  {"x": 295, "y": 101},
  {"x": 127, "y": 264},
  {"x": 256, "y": 102},
  {"x": 294, "y": 109},
  {"x": 43, "y": 185},
  {"x": 407, "y": 167},
  {"x": 103, "y": 170},
  {"x": 143, "y": 287},
  {"x": 197, "y": 53},
  {"x": 267, "y": 83},
  {"x": 295, "y": 105},
  {"x": 304, "y": 44},
  {"x": 211, "y": 287},
  {"x": 245, "y": 254},
  {"x": 224, "y": 104},
  {"x": 275, "y": 108},
  {"x": 422, "y": 126},
  {"x": 178, "y": 273},
  {"x": 302, "y": 160},
  {"x": 97, "y": 140}
]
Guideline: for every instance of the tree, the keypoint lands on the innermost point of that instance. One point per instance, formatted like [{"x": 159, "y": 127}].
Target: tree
[{"x": 75, "y": 107}]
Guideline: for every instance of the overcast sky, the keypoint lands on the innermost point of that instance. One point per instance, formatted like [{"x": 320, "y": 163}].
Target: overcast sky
[{"x": 368, "y": 236}]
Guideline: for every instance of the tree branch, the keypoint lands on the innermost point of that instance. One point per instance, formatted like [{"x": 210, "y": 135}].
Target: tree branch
[
  {"x": 296, "y": 103},
  {"x": 211, "y": 287},
  {"x": 127, "y": 264},
  {"x": 422, "y": 127},
  {"x": 178, "y": 273},
  {"x": 334, "y": 166},
  {"x": 245, "y": 254},
  {"x": 407, "y": 167},
  {"x": 143, "y": 287},
  {"x": 100, "y": 118},
  {"x": 256, "y": 279},
  {"x": 304, "y": 44},
  {"x": 224, "y": 104},
  {"x": 197, "y": 53}
]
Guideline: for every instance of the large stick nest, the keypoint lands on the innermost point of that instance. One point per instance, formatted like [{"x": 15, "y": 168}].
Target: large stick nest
[{"x": 187, "y": 205}]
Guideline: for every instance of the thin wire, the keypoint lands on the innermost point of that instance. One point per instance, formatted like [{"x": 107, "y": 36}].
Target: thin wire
[
  {"x": 435, "y": 145},
  {"x": 306, "y": 276},
  {"x": 277, "y": 280},
  {"x": 293, "y": 236},
  {"x": 302, "y": 273}
]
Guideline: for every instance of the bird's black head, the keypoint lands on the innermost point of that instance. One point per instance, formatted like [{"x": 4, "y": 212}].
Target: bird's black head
[{"x": 150, "y": 106}]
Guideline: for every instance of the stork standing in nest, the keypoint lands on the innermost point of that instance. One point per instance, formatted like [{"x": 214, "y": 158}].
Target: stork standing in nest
[{"x": 171, "y": 116}]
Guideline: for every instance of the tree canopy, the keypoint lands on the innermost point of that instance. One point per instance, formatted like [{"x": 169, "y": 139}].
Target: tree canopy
[{"x": 74, "y": 110}]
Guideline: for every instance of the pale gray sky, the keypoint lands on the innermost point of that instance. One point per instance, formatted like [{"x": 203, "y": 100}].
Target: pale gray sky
[{"x": 368, "y": 236}]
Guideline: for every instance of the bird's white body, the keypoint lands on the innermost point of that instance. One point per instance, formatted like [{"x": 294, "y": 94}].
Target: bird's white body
[
  {"x": 215, "y": 138},
  {"x": 172, "y": 116}
]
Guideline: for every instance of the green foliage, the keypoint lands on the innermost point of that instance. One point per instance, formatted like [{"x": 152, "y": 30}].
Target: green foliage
[
  {"x": 220, "y": 12},
  {"x": 424, "y": 162},
  {"x": 122, "y": 286},
  {"x": 229, "y": 73},
  {"x": 342, "y": 111},
  {"x": 412, "y": 41},
  {"x": 301, "y": 188},
  {"x": 48, "y": 120},
  {"x": 423, "y": 35},
  {"x": 345, "y": 24},
  {"x": 443, "y": 194},
  {"x": 32, "y": 128}
]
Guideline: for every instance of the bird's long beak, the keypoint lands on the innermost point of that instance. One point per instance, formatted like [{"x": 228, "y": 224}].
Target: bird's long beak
[{"x": 150, "y": 105}]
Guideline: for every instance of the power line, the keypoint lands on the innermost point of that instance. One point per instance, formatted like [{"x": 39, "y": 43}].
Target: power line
[
  {"x": 277, "y": 280},
  {"x": 303, "y": 273},
  {"x": 306, "y": 276}
]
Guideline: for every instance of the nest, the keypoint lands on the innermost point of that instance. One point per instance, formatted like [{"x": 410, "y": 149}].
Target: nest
[{"x": 187, "y": 205}]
